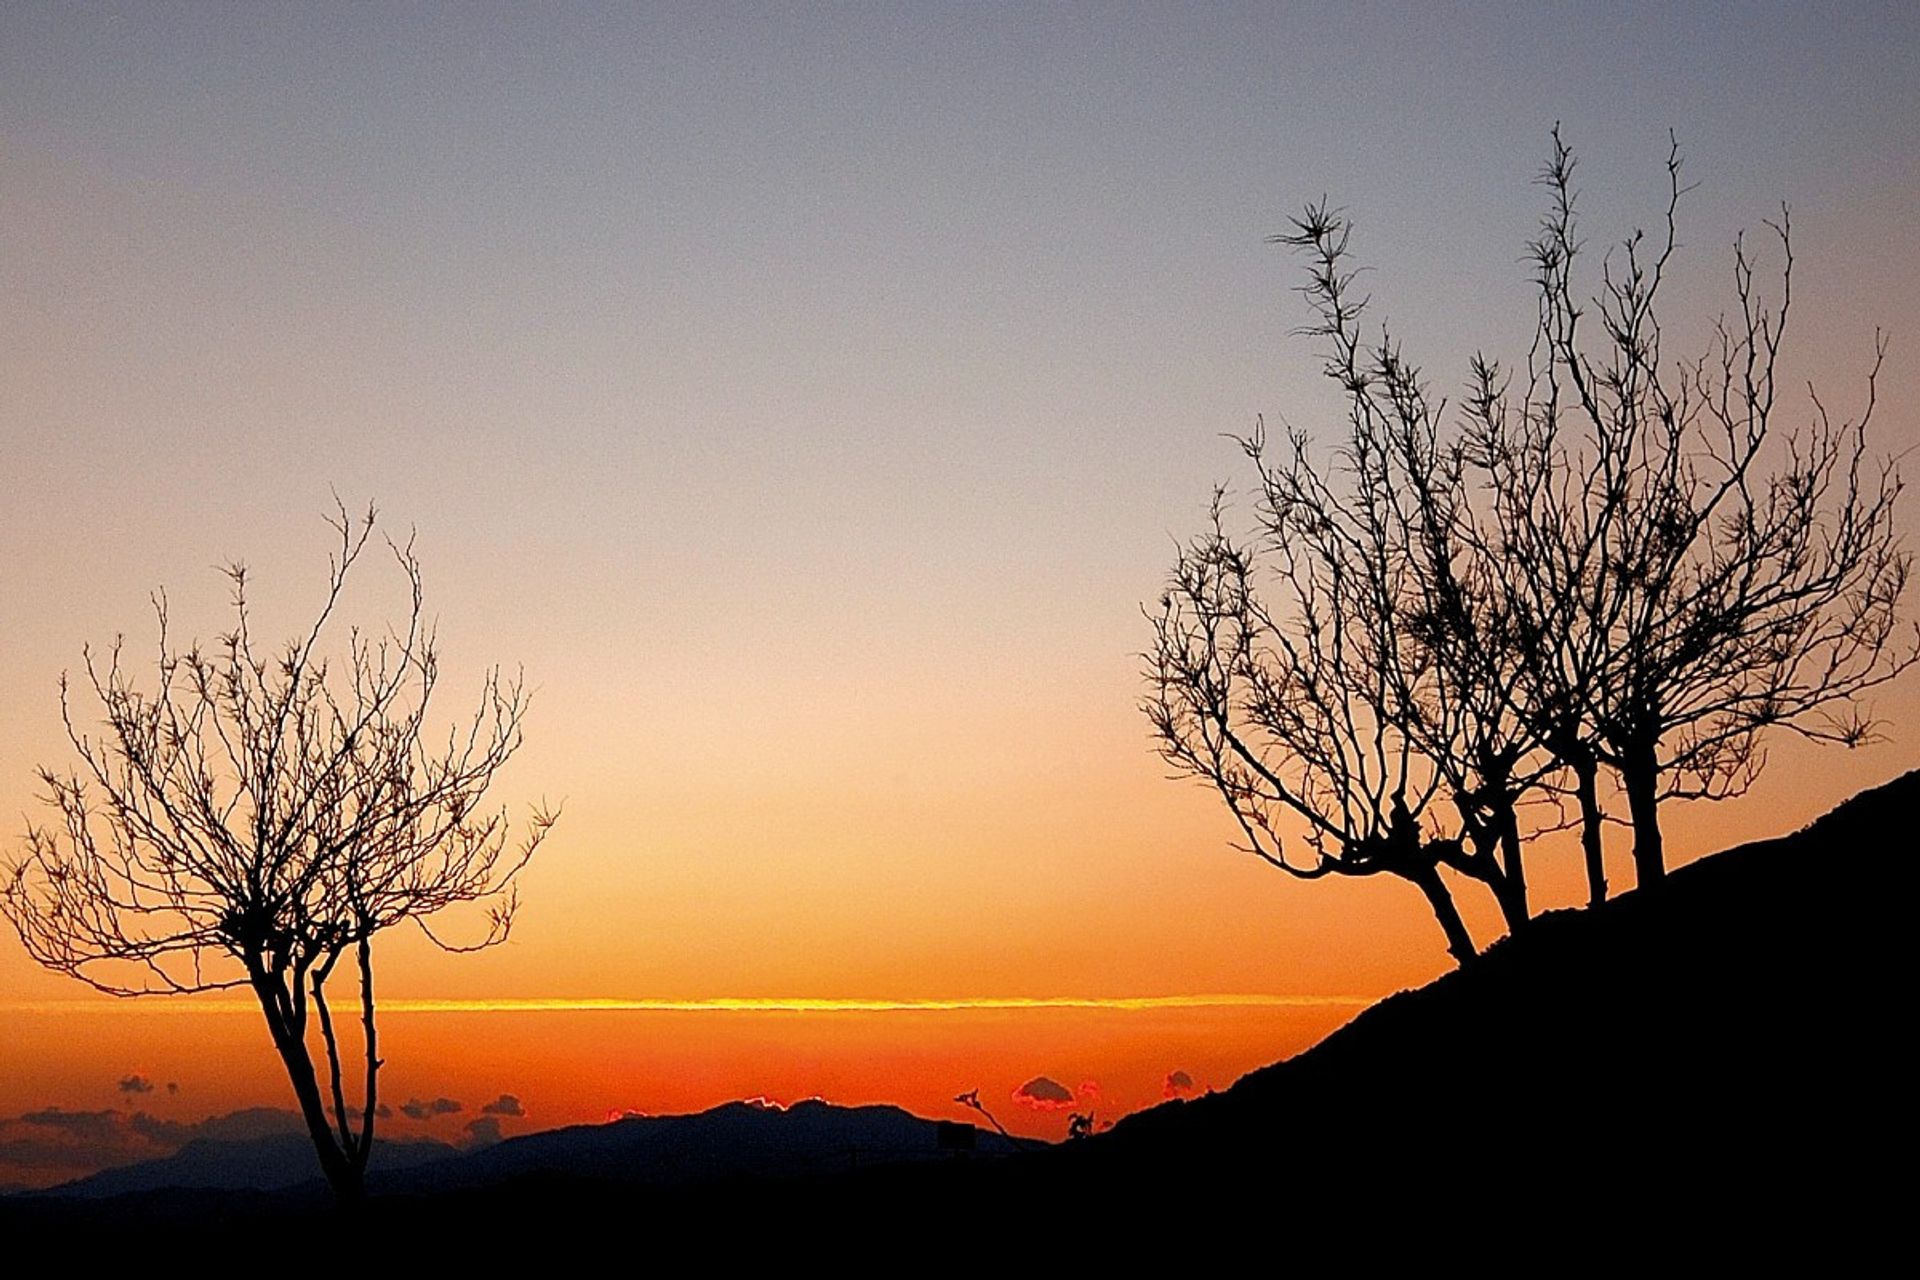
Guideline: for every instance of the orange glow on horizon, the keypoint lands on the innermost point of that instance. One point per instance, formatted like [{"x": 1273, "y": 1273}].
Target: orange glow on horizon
[
  {"x": 597, "y": 1066},
  {"x": 723, "y": 1004}
]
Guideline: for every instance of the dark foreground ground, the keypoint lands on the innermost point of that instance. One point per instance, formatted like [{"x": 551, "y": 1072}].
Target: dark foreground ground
[{"x": 1713, "y": 1072}]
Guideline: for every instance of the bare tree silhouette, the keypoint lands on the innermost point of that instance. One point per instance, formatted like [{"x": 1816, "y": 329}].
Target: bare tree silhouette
[
  {"x": 1619, "y": 565},
  {"x": 1296, "y": 715},
  {"x": 260, "y": 815},
  {"x": 1346, "y": 670},
  {"x": 1682, "y": 575},
  {"x": 1458, "y": 684},
  {"x": 971, "y": 1101}
]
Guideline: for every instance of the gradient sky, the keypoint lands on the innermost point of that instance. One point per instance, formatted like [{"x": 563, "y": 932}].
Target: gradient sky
[{"x": 809, "y": 398}]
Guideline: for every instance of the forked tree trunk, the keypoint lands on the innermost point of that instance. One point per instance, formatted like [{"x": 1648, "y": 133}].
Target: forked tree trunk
[
  {"x": 1640, "y": 775},
  {"x": 344, "y": 1178},
  {"x": 1495, "y": 841}
]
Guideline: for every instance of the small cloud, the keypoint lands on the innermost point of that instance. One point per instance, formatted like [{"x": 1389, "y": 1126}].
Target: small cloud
[
  {"x": 506, "y": 1104},
  {"x": 483, "y": 1132},
  {"x": 415, "y": 1109},
  {"x": 173, "y": 1087},
  {"x": 383, "y": 1111},
  {"x": 1044, "y": 1094},
  {"x": 1179, "y": 1084},
  {"x": 136, "y": 1084}
]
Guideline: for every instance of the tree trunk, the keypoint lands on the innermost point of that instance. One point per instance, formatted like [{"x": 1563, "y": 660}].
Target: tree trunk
[
  {"x": 1512, "y": 889},
  {"x": 370, "y": 1036},
  {"x": 1495, "y": 860},
  {"x": 1640, "y": 773},
  {"x": 1586, "y": 772},
  {"x": 345, "y": 1180},
  {"x": 1459, "y": 941}
]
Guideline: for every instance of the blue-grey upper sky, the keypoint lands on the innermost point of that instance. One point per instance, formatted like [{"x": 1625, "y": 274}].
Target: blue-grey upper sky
[{"x": 715, "y": 237}]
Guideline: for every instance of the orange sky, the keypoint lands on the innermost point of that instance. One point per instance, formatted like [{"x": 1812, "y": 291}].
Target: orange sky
[{"x": 810, "y": 405}]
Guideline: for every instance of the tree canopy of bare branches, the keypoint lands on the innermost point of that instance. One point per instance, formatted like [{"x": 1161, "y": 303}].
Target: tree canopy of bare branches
[
  {"x": 1620, "y": 564},
  {"x": 1326, "y": 672},
  {"x": 256, "y": 815},
  {"x": 1295, "y": 717},
  {"x": 1686, "y": 572}
]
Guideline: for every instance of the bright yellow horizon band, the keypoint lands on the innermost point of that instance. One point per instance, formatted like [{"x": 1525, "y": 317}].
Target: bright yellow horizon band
[{"x": 729, "y": 1004}]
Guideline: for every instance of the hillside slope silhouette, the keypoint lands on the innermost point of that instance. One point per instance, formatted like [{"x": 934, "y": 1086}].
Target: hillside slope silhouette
[{"x": 1719, "y": 1063}]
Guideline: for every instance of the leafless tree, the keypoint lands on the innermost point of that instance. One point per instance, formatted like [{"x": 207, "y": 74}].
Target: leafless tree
[
  {"x": 1295, "y": 714},
  {"x": 1685, "y": 574},
  {"x": 971, "y": 1101},
  {"x": 1533, "y": 550},
  {"x": 1341, "y": 672},
  {"x": 1619, "y": 565},
  {"x": 1410, "y": 489},
  {"x": 257, "y": 816}
]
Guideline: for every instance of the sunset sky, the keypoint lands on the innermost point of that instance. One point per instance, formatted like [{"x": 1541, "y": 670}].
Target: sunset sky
[{"x": 809, "y": 398}]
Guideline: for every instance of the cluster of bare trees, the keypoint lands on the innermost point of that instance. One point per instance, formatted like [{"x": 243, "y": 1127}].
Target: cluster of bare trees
[
  {"x": 1605, "y": 575},
  {"x": 255, "y": 816}
]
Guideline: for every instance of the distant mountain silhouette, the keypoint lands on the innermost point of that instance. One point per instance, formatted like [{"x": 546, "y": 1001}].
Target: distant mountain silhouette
[
  {"x": 733, "y": 1141},
  {"x": 270, "y": 1162},
  {"x": 1718, "y": 1068},
  {"x": 249, "y": 1123},
  {"x": 269, "y": 1151}
]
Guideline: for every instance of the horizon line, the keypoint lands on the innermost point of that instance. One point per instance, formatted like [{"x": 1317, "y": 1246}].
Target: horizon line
[{"x": 730, "y": 1004}]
